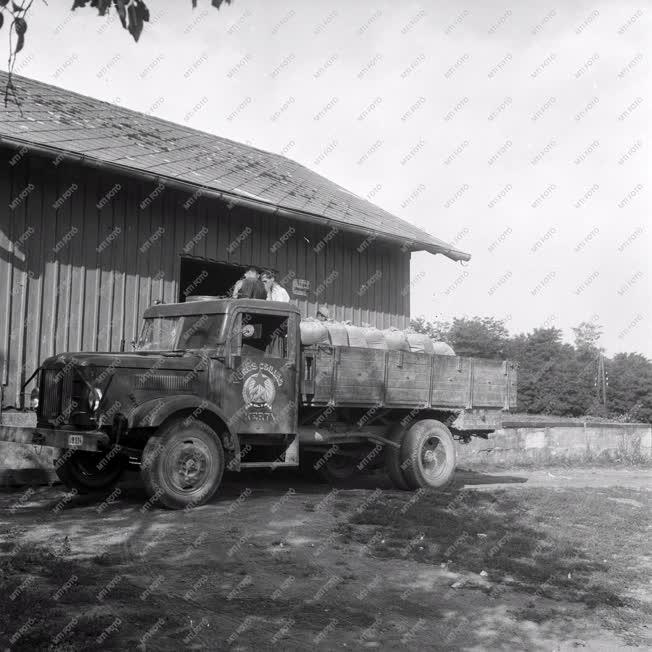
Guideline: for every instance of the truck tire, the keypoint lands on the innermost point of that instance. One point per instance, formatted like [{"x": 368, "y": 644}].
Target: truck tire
[
  {"x": 79, "y": 470},
  {"x": 182, "y": 465},
  {"x": 393, "y": 459},
  {"x": 428, "y": 455}
]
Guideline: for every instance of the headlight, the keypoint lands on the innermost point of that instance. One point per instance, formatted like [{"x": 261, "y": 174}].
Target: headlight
[
  {"x": 33, "y": 399},
  {"x": 94, "y": 399}
]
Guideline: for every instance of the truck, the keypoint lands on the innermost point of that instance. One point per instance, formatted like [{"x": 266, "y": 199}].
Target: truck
[{"x": 225, "y": 384}]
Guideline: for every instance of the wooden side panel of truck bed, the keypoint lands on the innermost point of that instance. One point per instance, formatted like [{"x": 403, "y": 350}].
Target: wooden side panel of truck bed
[
  {"x": 352, "y": 376},
  {"x": 408, "y": 379},
  {"x": 451, "y": 380},
  {"x": 489, "y": 383}
]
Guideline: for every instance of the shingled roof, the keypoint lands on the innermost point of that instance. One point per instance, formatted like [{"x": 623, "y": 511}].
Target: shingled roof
[{"x": 61, "y": 121}]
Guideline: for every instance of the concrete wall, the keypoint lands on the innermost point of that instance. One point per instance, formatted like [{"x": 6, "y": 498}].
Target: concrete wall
[
  {"x": 23, "y": 463},
  {"x": 545, "y": 444}
]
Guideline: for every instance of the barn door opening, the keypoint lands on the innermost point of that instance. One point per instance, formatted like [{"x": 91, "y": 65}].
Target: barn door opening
[{"x": 206, "y": 277}]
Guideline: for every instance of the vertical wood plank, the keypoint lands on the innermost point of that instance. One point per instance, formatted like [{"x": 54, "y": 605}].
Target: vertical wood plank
[
  {"x": 168, "y": 265},
  {"x": 6, "y": 263},
  {"x": 210, "y": 219},
  {"x": 15, "y": 350},
  {"x": 31, "y": 251},
  {"x": 349, "y": 256},
  {"x": 78, "y": 260}
]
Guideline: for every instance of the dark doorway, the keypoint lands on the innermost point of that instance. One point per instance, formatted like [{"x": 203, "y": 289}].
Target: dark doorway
[{"x": 205, "y": 277}]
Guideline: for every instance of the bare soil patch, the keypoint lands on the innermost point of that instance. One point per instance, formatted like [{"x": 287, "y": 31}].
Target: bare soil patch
[{"x": 517, "y": 560}]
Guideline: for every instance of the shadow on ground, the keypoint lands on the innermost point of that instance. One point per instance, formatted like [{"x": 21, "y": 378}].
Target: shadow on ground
[{"x": 468, "y": 477}]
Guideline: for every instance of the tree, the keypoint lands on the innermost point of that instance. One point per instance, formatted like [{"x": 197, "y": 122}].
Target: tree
[
  {"x": 591, "y": 365},
  {"x": 587, "y": 336},
  {"x": 630, "y": 387},
  {"x": 540, "y": 358},
  {"x": 550, "y": 374},
  {"x": 480, "y": 337},
  {"x": 437, "y": 330}
]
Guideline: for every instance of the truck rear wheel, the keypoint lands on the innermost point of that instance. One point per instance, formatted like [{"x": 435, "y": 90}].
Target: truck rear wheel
[
  {"x": 428, "y": 455},
  {"x": 88, "y": 472},
  {"x": 182, "y": 465}
]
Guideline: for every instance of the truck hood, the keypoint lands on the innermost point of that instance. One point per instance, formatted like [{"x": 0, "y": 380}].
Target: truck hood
[{"x": 131, "y": 360}]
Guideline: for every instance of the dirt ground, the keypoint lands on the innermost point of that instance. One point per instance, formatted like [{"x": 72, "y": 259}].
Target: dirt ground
[{"x": 551, "y": 559}]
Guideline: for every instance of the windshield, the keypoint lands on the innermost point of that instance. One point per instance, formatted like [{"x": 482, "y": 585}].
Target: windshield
[{"x": 180, "y": 333}]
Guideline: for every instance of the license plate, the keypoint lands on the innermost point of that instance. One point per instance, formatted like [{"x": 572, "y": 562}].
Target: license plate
[{"x": 75, "y": 440}]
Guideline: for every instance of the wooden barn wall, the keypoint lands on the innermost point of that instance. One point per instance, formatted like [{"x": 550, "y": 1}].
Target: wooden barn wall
[{"x": 77, "y": 277}]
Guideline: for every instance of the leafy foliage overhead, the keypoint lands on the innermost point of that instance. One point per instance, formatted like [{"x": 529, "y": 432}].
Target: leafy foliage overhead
[{"x": 133, "y": 15}]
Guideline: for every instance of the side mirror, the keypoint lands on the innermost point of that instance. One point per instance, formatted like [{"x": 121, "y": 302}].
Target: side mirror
[{"x": 252, "y": 331}]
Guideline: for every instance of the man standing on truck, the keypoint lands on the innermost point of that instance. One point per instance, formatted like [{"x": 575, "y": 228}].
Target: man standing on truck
[
  {"x": 250, "y": 286},
  {"x": 275, "y": 291}
]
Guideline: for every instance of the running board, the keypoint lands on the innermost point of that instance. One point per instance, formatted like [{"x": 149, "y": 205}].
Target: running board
[{"x": 290, "y": 458}]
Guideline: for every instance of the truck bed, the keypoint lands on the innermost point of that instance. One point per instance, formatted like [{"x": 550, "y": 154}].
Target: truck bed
[{"x": 352, "y": 376}]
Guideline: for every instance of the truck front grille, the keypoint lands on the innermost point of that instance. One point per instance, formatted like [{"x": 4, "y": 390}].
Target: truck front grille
[
  {"x": 56, "y": 393},
  {"x": 165, "y": 383}
]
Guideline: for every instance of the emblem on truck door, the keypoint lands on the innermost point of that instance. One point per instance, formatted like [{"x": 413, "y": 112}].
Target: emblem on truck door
[
  {"x": 260, "y": 381},
  {"x": 258, "y": 390}
]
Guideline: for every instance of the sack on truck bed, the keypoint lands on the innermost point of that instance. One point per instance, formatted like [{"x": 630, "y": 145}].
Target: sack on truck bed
[
  {"x": 313, "y": 332},
  {"x": 374, "y": 338},
  {"x": 337, "y": 332},
  {"x": 420, "y": 343},
  {"x": 395, "y": 340},
  {"x": 356, "y": 336},
  {"x": 441, "y": 348}
]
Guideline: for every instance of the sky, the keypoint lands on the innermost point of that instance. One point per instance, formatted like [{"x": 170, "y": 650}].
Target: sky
[{"x": 520, "y": 133}]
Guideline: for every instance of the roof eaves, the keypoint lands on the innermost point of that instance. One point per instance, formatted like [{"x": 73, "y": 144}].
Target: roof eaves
[{"x": 426, "y": 243}]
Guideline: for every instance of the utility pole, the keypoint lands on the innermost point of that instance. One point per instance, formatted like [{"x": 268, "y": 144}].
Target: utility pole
[{"x": 602, "y": 381}]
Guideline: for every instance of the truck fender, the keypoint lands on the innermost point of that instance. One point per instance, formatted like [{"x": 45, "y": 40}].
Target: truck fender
[{"x": 154, "y": 412}]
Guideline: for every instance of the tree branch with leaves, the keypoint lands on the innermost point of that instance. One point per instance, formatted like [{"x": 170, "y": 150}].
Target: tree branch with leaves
[{"x": 133, "y": 15}]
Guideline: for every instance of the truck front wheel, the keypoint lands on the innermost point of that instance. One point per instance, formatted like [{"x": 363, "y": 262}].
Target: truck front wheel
[
  {"x": 428, "y": 455},
  {"x": 182, "y": 465},
  {"x": 89, "y": 472}
]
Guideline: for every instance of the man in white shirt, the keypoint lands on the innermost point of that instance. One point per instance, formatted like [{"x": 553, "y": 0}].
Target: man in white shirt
[{"x": 275, "y": 292}]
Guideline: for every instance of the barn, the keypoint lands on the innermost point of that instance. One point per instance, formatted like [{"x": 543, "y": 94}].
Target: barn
[{"x": 104, "y": 211}]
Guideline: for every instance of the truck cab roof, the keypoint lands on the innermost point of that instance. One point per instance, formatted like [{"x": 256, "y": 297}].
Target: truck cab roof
[{"x": 218, "y": 306}]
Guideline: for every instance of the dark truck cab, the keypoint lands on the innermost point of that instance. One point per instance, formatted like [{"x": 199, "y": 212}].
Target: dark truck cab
[{"x": 221, "y": 384}]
